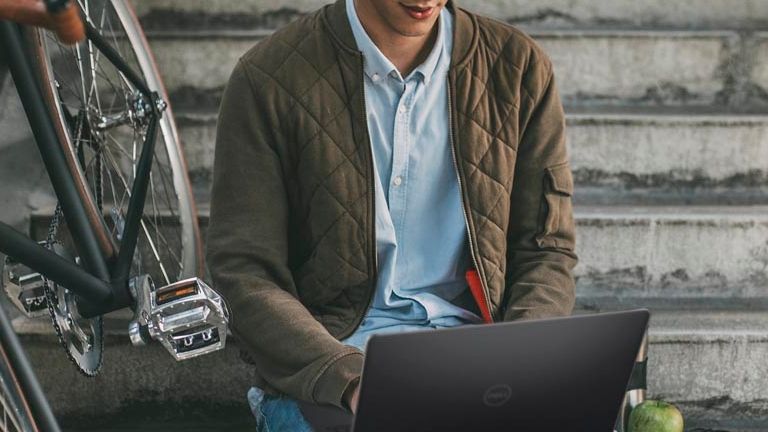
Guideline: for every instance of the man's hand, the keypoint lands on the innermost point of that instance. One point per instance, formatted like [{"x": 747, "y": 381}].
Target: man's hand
[
  {"x": 66, "y": 22},
  {"x": 351, "y": 395}
]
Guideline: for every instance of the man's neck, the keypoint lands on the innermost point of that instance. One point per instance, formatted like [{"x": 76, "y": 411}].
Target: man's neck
[{"x": 405, "y": 52}]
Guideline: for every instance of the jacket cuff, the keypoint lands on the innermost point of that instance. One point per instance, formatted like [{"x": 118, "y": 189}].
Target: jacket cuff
[{"x": 334, "y": 378}]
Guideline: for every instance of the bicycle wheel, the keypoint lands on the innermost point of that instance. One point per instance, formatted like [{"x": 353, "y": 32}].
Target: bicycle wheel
[
  {"x": 103, "y": 130},
  {"x": 15, "y": 414},
  {"x": 23, "y": 405},
  {"x": 102, "y": 121}
]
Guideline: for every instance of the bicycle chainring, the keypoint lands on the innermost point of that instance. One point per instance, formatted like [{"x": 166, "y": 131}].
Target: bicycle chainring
[{"x": 81, "y": 338}]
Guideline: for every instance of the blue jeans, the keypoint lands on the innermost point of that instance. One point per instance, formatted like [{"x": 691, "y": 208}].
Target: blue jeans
[{"x": 276, "y": 413}]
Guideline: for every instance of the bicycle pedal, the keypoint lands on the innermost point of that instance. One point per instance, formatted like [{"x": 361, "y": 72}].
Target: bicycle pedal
[
  {"x": 187, "y": 317},
  {"x": 24, "y": 287}
]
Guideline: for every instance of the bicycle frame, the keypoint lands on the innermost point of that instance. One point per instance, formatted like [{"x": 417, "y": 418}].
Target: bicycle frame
[{"x": 102, "y": 282}]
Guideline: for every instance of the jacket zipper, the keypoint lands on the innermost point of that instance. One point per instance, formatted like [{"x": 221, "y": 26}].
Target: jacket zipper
[
  {"x": 372, "y": 202},
  {"x": 372, "y": 215},
  {"x": 463, "y": 204}
]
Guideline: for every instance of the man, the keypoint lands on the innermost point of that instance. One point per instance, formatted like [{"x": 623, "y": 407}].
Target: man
[{"x": 369, "y": 157}]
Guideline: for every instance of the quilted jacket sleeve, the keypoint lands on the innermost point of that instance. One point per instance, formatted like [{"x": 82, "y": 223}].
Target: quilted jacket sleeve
[
  {"x": 247, "y": 253},
  {"x": 541, "y": 237}
]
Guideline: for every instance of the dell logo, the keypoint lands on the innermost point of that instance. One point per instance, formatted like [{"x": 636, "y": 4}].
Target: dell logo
[{"x": 497, "y": 395}]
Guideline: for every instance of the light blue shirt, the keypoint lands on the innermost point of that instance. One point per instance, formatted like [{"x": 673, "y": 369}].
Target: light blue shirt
[{"x": 421, "y": 236}]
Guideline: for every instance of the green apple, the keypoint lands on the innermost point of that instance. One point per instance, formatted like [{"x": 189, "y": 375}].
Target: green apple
[{"x": 655, "y": 416}]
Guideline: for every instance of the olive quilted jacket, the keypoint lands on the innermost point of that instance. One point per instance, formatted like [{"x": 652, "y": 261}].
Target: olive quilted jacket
[{"x": 291, "y": 242}]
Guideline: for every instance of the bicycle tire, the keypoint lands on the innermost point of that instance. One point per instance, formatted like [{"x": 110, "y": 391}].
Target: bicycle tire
[
  {"x": 168, "y": 150},
  {"x": 23, "y": 405},
  {"x": 15, "y": 413}
]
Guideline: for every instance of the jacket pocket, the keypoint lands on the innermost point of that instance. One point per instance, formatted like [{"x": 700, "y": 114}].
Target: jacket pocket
[{"x": 557, "y": 225}]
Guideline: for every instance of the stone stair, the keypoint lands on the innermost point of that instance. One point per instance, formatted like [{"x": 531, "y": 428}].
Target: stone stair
[
  {"x": 668, "y": 135},
  {"x": 670, "y": 161},
  {"x": 625, "y": 68}
]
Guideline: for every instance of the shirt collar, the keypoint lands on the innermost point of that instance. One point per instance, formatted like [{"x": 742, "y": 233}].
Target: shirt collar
[{"x": 377, "y": 66}]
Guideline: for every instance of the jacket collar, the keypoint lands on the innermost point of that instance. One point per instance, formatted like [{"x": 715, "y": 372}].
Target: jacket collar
[
  {"x": 464, "y": 30},
  {"x": 377, "y": 65}
]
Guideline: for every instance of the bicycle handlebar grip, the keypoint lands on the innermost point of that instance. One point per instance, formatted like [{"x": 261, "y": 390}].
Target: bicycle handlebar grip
[{"x": 68, "y": 24}]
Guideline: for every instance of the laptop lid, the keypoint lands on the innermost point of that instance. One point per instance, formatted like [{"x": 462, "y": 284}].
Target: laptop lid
[{"x": 556, "y": 374}]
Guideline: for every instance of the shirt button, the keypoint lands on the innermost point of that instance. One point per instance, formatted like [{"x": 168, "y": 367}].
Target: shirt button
[
  {"x": 398, "y": 180},
  {"x": 375, "y": 77},
  {"x": 402, "y": 109}
]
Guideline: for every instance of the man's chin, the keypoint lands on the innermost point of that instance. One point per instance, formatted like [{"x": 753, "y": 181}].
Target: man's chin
[{"x": 418, "y": 30}]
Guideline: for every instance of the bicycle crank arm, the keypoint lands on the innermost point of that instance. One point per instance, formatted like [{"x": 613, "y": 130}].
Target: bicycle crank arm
[{"x": 187, "y": 317}]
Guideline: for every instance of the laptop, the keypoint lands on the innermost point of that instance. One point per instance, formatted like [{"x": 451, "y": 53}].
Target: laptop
[{"x": 560, "y": 374}]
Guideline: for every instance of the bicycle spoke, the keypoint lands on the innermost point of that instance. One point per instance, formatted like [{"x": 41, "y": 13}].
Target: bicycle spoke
[
  {"x": 107, "y": 125},
  {"x": 147, "y": 234}
]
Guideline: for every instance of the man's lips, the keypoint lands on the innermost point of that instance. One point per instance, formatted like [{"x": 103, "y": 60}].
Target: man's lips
[{"x": 419, "y": 13}]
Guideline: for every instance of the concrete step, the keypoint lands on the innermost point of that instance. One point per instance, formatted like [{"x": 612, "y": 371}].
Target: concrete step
[
  {"x": 674, "y": 156},
  {"x": 638, "y": 67},
  {"x": 760, "y": 62},
  {"x": 672, "y": 257},
  {"x": 665, "y": 258},
  {"x": 708, "y": 363},
  {"x": 711, "y": 365},
  {"x": 681, "y": 13},
  {"x": 133, "y": 376},
  {"x": 680, "y": 156},
  {"x": 659, "y": 257}
]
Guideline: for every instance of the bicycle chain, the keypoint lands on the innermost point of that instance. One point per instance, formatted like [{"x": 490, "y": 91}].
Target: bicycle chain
[{"x": 53, "y": 299}]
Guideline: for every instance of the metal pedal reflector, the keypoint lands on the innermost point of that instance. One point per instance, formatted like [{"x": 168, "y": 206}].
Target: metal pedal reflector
[
  {"x": 24, "y": 287},
  {"x": 187, "y": 317}
]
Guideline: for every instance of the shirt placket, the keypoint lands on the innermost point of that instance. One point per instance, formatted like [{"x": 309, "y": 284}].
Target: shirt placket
[{"x": 398, "y": 184}]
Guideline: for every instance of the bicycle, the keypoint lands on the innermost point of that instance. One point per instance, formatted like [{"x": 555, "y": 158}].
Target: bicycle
[
  {"x": 126, "y": 217},
  {"x": 24, "y": 406}
]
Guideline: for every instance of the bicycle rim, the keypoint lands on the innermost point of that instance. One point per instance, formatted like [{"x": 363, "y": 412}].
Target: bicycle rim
[{"x": 100, "y": 122}]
